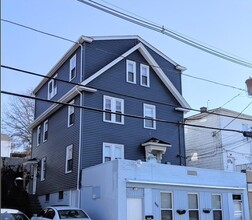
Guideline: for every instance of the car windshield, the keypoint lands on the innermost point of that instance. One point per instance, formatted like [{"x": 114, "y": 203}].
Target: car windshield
[
  {"x": 63, "y": 214},
  {"x": 13, "y": 216}
]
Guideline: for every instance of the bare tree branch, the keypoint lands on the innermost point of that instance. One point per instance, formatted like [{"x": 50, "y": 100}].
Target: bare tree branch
[{"x": 16, "y": 119}]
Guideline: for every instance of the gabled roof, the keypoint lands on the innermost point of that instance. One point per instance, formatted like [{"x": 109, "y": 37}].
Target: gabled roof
[
  {"x": 142, "y": 49},
  {"x": 83, "y": 39},
  {"x": 220, "y": 112}
]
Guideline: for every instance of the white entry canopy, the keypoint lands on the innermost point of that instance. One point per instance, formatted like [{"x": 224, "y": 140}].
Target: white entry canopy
[{"x": 154, "y": 149}]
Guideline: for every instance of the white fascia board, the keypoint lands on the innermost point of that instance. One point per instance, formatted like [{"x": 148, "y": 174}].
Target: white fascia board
[
  {"x": 163, "y": 77},
  {"x": 128, "y": 37},
  {"x": 153, "y": 64},
  {"x": 184, "y": 185},
  {"x": 105, "y": 68},
  {"x": 63, "y": 59},
  {"x": 67, "y": 97}
]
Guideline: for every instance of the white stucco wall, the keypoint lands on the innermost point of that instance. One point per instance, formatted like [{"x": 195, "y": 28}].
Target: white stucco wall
[{"x": 107, "y": 186}]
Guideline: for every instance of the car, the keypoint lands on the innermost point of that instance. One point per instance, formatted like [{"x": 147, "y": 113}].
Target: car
[
  {"x": 61, "y": 212},
  {"x": 13, "y": 214}
]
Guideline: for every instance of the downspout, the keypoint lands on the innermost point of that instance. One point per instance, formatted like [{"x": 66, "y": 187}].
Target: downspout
[{"x": 80, "y": 132}]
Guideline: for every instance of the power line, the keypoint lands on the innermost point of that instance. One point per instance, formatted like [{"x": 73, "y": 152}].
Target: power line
[
  {"x": 162, "y": 68},
  {"x": 125, "y": 95},
  {"x": 116, "y": 113},
  {"x": 36, "y": 30},
  {"x": 163, "y": 30}
]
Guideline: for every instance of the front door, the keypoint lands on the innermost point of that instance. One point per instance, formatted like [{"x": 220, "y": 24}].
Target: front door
[{"x": 134, "y": 209}]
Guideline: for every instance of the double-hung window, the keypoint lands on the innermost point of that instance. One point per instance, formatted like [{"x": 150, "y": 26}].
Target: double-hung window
[
  {"x": 149, "y": 112},
  {"x": 69, "y": 159},
  {"x": 72, "y": 70},
  {"x": 131, "y": 72},
  {"x": 216, "y": 206},
  {"x": 193, "y": 206},
  {"x": 38, "y": 135},
  {"x": 166, "y": 206},
  {"x": 71, "y": 115},
  {"x": 112, "y": 105},
  {"x": 144, "y": 75},
  {"x": 43, "y": 169},
  {"x": 52, "y": 87},
  {"x": 45, "y": 131},
  {"x": 112, "y": 151}
]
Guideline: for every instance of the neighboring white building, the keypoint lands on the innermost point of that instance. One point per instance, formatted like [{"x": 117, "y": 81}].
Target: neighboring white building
[
  {"x": 5, "y": 145},
  {"x": 214, "y": 149},
  {"x": 136, "y": 190}
]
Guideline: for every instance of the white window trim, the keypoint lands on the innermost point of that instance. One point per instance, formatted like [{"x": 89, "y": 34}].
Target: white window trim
[
  {"x": 70, "y": 110},
  {"x": 67, "y": 152},
  {"x": 220, "y": 203},
  {"x": 45, "y": 129},
  {"x": 72, "y": 65},
  {"x": 38, "y": 135},
  {"x": 54, "y": 87},
  {"x": 113, "y": 109},
  {"x": 154, "y": 116},
  {"x": 134, "y": 71},
  {"x": 112, "y": 147},
  {"x": 148, "y": 75},
  {"x": 43, "y": 169},
  {"x": 169, "y": 192},
  {"x": 198, "y": 202}
]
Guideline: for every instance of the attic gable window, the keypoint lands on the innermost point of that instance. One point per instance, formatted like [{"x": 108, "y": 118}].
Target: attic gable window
[
  {"x": 52, "y": 87},
  {"x": 131, "y": 72},
  {"x": 110, "y": 105},
  {"x": 145, "y": 75},
  {"x": 72, "y": 71},
  {"x": 149, "y": 113}
]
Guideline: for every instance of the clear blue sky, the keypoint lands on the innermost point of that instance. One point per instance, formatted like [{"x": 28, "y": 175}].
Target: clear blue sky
[{"x": 225, "y": 25}]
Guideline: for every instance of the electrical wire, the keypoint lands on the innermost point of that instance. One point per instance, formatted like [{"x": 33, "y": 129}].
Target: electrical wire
[
  {"x": 39, "y": 31},
  {"x": 163, "y": 30},
  {"x": 101, "y": 50},
  {"x": 116, "y": 113},
  {"x": 125, "y": 95}
]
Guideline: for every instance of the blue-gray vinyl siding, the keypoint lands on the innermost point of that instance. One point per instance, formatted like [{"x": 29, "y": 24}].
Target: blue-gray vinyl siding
[
  {"x": 54, "y": 149},
  {"x": 62, "y": 87},
  {"x": 94, "y": 131},
  {"x": 132, "y": 133},
  {"x": 99, "y": 53}
]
